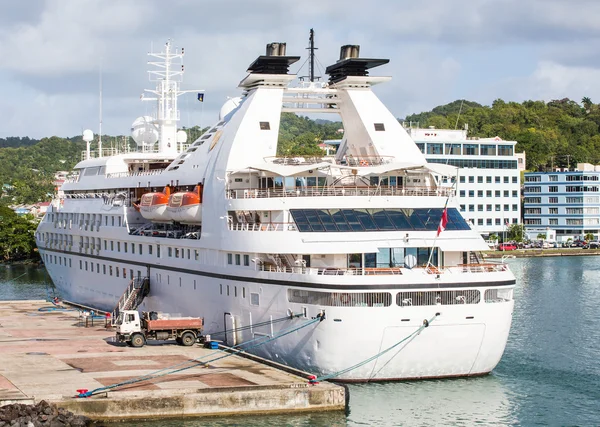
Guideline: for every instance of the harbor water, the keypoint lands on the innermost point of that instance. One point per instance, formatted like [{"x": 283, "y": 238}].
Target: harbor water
[{"x": 549, "y": 374}]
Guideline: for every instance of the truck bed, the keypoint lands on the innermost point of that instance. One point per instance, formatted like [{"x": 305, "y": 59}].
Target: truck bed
[{"x": 168, "y": 324}]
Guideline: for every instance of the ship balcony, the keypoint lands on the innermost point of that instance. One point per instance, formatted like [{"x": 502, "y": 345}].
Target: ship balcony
[
  {"x": 338, "y": 191},
  {"x": 269, "y": 226},
  {"x": 387, "y": 271}
]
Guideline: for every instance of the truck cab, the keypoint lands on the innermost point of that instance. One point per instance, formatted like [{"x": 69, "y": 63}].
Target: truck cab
[{"x": 128, "y": 322}]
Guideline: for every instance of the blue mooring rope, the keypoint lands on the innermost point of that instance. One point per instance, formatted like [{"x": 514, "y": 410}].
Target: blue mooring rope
[
  {"x": 154, "y": 374},
  {"x": 370, "y": 359}
]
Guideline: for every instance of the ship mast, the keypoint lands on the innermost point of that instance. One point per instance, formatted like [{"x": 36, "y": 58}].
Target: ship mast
[
  {"x": 167, "y": 76},
  {"x": 311, "y": 57}
]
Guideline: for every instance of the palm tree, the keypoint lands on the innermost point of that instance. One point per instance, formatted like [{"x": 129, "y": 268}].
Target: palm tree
[{"x": 587, "y": 103}]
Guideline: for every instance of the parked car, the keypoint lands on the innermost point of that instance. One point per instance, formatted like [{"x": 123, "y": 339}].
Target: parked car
[
  {"x": 507, "y": 247},
  {"x": 578, "y": 243},
  {"x": 592, "y": 245}
]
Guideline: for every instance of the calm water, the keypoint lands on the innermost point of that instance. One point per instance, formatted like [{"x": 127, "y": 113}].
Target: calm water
[{"x": 549, "y": 375}]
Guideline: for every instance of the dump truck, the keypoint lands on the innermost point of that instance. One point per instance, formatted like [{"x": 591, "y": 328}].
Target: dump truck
[{"x": 135, "y": 331}]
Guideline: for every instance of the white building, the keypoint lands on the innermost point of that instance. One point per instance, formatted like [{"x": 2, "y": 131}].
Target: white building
[{"x": 489, "y": 189}]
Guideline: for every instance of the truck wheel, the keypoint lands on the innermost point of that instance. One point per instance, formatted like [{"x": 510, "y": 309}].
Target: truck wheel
[
  {"x": 138, "y": 340},
  {"x": 188, "y": 338}
]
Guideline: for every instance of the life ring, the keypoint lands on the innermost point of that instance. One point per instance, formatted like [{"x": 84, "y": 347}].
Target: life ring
[
  {"x": 363, "y": 163},
  {"x": 344, "y": 299}
]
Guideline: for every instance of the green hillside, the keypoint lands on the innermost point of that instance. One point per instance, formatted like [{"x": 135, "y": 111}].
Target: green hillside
[{"x": 556, "y": 133}]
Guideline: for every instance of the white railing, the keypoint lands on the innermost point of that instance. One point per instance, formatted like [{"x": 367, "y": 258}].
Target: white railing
[
  {"x": 369, "y": 191},
  {"x": 139, "y": 173},
  {"x": 270, "y": 226},
  {"x": 391, "y": 271}
]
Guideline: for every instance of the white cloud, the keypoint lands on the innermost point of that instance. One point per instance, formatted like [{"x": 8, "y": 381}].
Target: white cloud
[{"x": 53, "y": 50}]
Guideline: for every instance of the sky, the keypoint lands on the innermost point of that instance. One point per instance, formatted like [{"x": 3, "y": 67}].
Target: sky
[{"x": 439, "y": 51}]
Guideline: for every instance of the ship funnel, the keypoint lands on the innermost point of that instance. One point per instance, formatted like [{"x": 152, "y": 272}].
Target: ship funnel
[
  {"x": 276, "y": 49},
  {"x": 349, "y": 51}
]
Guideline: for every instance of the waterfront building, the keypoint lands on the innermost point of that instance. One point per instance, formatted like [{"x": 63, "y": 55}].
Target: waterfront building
[
  {"x": 564, "y": 200},
  {"x": 489, "y": 189}
]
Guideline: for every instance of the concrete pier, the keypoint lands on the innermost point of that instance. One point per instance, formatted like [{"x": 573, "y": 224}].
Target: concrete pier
[{"x": 49, "y": 355}]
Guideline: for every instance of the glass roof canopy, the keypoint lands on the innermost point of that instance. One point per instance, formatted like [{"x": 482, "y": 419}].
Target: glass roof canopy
[{"x": 353, "y": 220}]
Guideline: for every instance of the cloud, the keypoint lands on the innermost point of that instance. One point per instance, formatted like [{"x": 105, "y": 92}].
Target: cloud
[{"x": 439, "y": 51}]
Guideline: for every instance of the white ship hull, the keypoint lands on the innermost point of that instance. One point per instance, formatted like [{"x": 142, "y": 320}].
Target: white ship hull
[{"x": 463, "y": 340}]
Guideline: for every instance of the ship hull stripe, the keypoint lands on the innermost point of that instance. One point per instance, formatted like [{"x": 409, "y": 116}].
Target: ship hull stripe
[{"x": 291, "y": 283}]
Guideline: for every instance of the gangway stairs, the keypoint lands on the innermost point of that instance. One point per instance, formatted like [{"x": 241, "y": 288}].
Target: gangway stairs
[{"x": 137, "y": 289}]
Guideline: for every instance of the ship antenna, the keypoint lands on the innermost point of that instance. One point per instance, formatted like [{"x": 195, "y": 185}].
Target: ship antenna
[
  {"x": 100, "y": 114},
  {"x": 311, "y": 47}
]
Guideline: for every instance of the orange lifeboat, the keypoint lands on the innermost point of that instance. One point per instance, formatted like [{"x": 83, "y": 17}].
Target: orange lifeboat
[
  {"x": 153, "y": 206},
  {"x": 186, "y": 206}
]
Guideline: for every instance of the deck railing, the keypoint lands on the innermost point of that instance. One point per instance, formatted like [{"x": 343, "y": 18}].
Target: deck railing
[
  {"x": 269, "y": 226},
  {"x": 391, "y": 271},
  {"x": 369, "y": 191}
]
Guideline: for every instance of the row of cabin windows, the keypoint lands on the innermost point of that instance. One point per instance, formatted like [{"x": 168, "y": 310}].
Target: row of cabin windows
[
  {"x": 229, "y": 291},
  {"x": 91, "y": 266},
  {"x": 238, "y": 259},
  {"x": 67, "y": 220}
]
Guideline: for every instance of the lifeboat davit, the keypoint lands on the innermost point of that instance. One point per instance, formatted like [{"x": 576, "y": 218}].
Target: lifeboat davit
[
  {"x": 153, "y": 206},
  {"x": 186, "y": 206}
]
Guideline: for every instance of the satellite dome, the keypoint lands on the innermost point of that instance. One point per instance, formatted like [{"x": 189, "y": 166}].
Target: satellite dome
[
  {"x": 143, "y": 131},
  {"x": 229, "y": 106},
  {"x": 88, "y": 135},
  {"x": 181, "y": 136}
]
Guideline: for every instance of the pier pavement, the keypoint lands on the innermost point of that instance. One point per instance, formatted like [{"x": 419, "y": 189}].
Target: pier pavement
[{"x": 49, "y": 355}]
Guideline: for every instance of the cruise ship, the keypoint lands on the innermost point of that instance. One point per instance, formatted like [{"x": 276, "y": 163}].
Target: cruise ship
[{"x": 369, "y": 240}]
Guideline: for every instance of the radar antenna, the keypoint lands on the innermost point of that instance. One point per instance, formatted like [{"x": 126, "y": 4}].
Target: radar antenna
[{"x": 167, "y": 78}]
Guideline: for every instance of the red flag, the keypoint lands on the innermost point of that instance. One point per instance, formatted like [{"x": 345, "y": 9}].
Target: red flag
[{"x": 443, "y": 221}]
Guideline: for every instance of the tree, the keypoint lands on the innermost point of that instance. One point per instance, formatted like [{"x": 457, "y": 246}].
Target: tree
[
  {"x": 516, "y": 232},
  {"x": 587, "y": 104},
  {"x": 16, "y": 235},
  {"x": 541, "y": 236},
  {"x": 589, "y": 237}
]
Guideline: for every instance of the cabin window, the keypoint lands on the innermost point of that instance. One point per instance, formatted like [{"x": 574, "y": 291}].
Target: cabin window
[
  {"x": 117, "y": 271},
  {"x": 110, "y": 270},
  {"x": 125, "y": 247},
  {"x": 227, "y": 290},
  {"x": 119, "y": 221},
  {"x": 221, "y": 288},
  {"x": 157, "y": 251},
  {"x": 194, "y": 284},
  {"x": 188, "y": 254},
  {"x": 124, "y": 273},
  {"x": 69, "y": 262},
  {"x": 235, "y": 291},
  {"x": 237, "y": 259},
  {"x": 149, "y": 250},
  {"x": 140, "y": 249},
  {"x": 254, "y": 299},
  {"x": 196, "y": 254},
  {"x": 170, "y": 252},
  {"x": 379, "y": 127},
  {"x": 176, "y": 252},
  {"x": 229, "y": 258},
  {"x": 246, "y": 260},
  {"x": 80, "y": 264},
  {"x": 133, "y": 248},
  {"x": 98, "y": 268},
  {"x": 265, "y": 126},
  {"x": 244, "y": 292},
  {"x": 118, "y": 246},
  {"x": 103, "y": 268},
  {"x": 239, "y": 180},
  {"x": 112, "y": 220}
]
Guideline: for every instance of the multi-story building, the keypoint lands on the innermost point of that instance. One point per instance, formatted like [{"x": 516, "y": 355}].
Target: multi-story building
[
  {"x": 567, "y": 201},
  {"x": 489, "y": 188}
]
